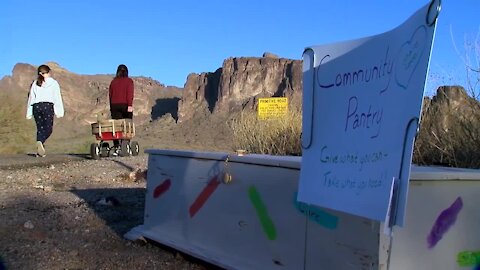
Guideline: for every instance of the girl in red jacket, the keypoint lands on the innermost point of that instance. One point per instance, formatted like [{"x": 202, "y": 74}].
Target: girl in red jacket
[{"x": 121, "y": 96}]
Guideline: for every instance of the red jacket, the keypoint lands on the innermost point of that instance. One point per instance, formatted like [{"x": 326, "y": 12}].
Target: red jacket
[{"x": 121, "y": 91}]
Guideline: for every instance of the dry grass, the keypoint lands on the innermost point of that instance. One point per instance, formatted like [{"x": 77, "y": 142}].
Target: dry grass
[
  {"x": 17, "y": 134},
  {"x": 449, "y": 137},
  {"x": 273, "y": 137},
  {"x": 15, "y": 131}
]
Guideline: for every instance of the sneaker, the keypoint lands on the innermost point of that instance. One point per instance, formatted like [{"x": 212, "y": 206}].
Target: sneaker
[
  {"x": 40, "y": 149},
  {"x": 116, "y": 151}
]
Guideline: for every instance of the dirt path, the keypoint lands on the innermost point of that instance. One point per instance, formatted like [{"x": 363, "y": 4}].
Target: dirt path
[
  {"x": 29, "y": 160},
  {"x": 54, "y": 215}
]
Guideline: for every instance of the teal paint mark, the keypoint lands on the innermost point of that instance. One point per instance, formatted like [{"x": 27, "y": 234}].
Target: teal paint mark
[
  {"x": 262, "y": 213},
  {"x": 316, "y": 214},
  {"x": 468, "y": 258}
]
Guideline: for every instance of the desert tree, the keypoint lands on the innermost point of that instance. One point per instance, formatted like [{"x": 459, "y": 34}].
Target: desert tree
[{"x": 470, "y": 56}]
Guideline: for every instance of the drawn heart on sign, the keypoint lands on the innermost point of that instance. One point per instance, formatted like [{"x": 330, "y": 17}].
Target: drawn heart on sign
[{"x": 409, "y": 57}]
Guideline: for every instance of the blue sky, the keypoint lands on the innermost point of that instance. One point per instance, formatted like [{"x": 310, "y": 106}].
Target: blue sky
[{"x": 167, "y": 40}]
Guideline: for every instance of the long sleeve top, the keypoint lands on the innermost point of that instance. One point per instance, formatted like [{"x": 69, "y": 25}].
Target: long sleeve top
[
  {"x": 121, "y": 91},
  {"x": 48, "y": 92}
]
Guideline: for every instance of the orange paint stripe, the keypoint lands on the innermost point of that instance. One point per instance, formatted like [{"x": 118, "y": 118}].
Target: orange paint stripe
[
  {"x": 203, "y": 196},
  {"x": 162, "y": 188}
]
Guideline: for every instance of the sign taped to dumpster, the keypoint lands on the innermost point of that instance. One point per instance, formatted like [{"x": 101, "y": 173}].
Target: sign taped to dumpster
[
  {"x": 272, "y": 108},
  {"x": 361, "y": 104}
]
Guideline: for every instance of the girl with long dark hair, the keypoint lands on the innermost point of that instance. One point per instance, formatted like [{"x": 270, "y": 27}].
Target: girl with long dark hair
[
  {"x": 44, "y": 101},
  {"x": 121, "y": 97}
]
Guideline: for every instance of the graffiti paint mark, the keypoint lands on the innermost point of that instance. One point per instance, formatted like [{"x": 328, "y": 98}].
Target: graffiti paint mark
[
  {"x": 444, "y": 221},
  {"x": 315, "y": 214},
  {"x": 204, "y": 195},
  {"x": 162, "y": 188},
  {"x": 469, "y": 258},
  {"x": 262, "y": 213}
]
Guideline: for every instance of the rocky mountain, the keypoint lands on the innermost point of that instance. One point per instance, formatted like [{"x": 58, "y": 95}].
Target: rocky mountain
[
  {"x": 449, "y": 103},
  {"x": 235, "y": 86},
  {"x": 196, "y": 114},
  {"x": 86, "y": 96},
  {"x": 239, "y": 83},
  {"x": 162, "y": 113}
]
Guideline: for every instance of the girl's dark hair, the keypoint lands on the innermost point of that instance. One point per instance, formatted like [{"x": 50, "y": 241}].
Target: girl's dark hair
[
  {"x": 122, "y": 71},
  {"x": 43, "y": 69}
]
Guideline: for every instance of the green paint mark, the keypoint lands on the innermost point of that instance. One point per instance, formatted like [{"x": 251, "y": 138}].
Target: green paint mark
[
  {"x": 468, "y": 258},
  {"x": 265, "y": 220}
]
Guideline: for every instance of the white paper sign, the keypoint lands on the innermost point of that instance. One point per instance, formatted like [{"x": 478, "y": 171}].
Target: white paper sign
[{"x": 361, "y": 104}]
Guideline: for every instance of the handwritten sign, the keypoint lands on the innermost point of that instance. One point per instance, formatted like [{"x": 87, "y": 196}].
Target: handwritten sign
[
  {"x": 269, "y": 108},
  {"x": 361, "y": 104}
]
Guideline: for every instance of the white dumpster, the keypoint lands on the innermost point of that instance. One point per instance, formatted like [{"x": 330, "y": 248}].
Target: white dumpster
[{"x": 240, "y": 212}]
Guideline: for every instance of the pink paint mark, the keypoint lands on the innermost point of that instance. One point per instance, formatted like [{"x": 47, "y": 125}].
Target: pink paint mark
[
  {"x": 203, "y": 196},
  {"x": 444, "y": 221},
  {"x": 162, "y": 188}
]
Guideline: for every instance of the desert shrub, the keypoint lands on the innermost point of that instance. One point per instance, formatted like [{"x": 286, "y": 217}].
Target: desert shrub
[
  {"x": 449, "y": 136},
  {"x": 273, "y": 136},
  {"x": 16, "y": 133}
]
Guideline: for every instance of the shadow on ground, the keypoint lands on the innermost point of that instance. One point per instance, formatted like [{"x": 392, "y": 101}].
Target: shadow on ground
[
  {"x": 121, "y": 209},
  {"x": 22, "y": 161},
  {"x": 40, "y": 232}
]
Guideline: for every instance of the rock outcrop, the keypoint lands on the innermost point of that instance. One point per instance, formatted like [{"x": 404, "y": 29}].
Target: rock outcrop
[
  {"x": 451, "y": 96},
  {"x": 449, "y": 103},
  {"x": 200, "y": 94},
  {"x": 239, "y": 83}
]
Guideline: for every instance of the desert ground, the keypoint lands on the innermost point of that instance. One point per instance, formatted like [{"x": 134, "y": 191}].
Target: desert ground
[
  {"x": 55, "y": 216},
  {"x": 67, "y": 211}
]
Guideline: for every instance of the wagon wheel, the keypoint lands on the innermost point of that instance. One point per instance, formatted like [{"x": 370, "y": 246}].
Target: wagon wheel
[
  {"x": 135, "y": 148},
  {"x": 125, "y": 148},
  {"x": 104, "y": 149},
  {"x": 95, "y": 151}
]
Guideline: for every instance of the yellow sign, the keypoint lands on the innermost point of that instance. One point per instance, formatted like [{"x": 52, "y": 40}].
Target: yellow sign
[{"x": 269, "y": 108}]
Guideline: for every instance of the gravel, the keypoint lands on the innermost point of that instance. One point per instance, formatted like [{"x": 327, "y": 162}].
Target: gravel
[{"x": 73, "y": 215}]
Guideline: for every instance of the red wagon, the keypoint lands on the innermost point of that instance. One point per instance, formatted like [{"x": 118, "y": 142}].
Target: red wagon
[{"x": 109, "y": 130}]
